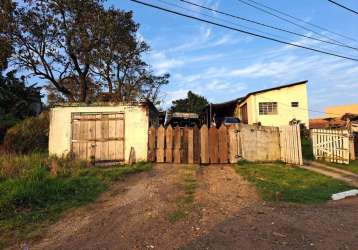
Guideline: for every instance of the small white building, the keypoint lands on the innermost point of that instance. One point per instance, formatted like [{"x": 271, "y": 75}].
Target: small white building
[{"x": 101, "y": 132}]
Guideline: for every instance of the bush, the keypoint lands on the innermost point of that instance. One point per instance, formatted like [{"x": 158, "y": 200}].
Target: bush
[
  {"x": 30, "y": 135},
  {"x": 6, "y": 122}
]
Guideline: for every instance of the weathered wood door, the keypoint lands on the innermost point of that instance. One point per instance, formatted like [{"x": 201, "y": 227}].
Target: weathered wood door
[
  {"x": 98, "y": 136},
  {"x": 290, "y": 144}
]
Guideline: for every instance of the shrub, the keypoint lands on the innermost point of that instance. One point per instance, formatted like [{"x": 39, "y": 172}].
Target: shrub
[
  {"x": 6, "y": 122},
  {"x": 29, "y": 135}
]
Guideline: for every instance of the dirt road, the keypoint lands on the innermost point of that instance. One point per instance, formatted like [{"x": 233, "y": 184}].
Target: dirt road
[{"x": 226, "y": 213}]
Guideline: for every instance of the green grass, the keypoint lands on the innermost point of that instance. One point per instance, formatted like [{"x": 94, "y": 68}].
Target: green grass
[
  {"x": 31, "y": 196},
  {"x": 185, "y": 202},
  {"x": 307, "y": 152},
  {"x": 352, "y": 166},
  {"x": 290, "y": 184}
]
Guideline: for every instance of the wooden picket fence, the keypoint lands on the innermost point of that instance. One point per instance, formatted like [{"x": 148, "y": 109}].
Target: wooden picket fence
[
  {"x": 226, "y": 144},
  {"x": 331, "y": 145}
]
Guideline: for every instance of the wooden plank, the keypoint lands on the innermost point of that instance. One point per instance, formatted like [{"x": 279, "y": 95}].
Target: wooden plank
[
  {"x": 233, "y": 144},
  {"x": 120, "y": 124},
  {"x": 151, "y": 144},
  {"x": 169, "y": 144},
  {"x": 92, "y": 135},
  {"x": 204, "y": 145},
  {"x": 282, "y": 146},
  {"x": 299, "y": 146},
  {"x": 98, "y": 137},
  {"x": 160, "y": 144},
  {"x": 223, "y": 144},
  {"x": 346, "y": 146},
  {"x": 177, "y": 144},
  {"x": 294, "y": 145},
  {"x": 75, "y": 147},
  {"x": 313, "y": 139},
  {"x": 105, "y": 135},
  {"x": 213, "y": 145},
  {"x": 184, "y": 148},
  {"x": 111, "y": 134},
  {"x": 190, "y": 136},
  {"x": 196, "y": 145},
  {"x": 83, "y": 135}
]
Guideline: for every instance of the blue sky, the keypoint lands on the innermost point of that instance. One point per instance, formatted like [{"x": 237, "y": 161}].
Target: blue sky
[{"x": 223, "y": 65}]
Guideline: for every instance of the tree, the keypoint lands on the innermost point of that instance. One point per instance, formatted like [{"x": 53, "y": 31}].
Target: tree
[
  {"x": 6, "y": 18},
  {"x": 75, "y": 44},
  {"x": 193, "y": 103},
  {"x": 18, "y": 99}
]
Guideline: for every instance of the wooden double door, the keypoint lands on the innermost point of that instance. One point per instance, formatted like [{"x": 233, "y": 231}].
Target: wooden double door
[{"x": 98, "y": 137}]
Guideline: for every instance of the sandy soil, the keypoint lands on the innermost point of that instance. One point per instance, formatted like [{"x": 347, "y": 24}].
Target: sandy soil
[{"x": 228, "y": 214}]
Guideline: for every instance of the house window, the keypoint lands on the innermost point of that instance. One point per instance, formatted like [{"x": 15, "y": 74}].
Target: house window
[
  {"x": 294, "y": 104},
  {"x": 268, "y": 108}
]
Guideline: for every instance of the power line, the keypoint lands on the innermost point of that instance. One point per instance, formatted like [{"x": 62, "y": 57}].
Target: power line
[
  {"x": 302, "y": 21},
  {"x": 289, "y": 21},
  {"x": 265, "y": 25},
  {"x": 243, "y": 31},
  {"x": 344, "y": 7},
  {"x": 220, "y": 19}
]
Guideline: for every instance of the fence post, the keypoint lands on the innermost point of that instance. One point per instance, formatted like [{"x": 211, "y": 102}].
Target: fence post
[
  {"x": 233, "y": 144},
  {"x": 169, "y": 144},
  {"x": 190, "y": 139},
  {"x": 177, "y": 144},
  {"x": 204, "y": 150},
  {"x": 196, "y": 145},
  {"x": 213, "y": 145},
  {"x": 223, "y": 144},
  {"x": 160, "y": 144},
  {"x": 184, "y": 145},
  {"x": 151, "y": 144}
]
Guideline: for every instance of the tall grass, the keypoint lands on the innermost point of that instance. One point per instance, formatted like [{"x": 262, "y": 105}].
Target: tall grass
[
  {"x": 12, "y": 166},
  {"x": 30, "y": 193}
]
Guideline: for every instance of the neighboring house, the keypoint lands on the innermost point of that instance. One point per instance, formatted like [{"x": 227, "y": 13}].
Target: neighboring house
[
  {"x": 269, "y": 107},
  {"x": 103, "y": 131},
  {"x": 339, "y": 111},
  {"x": 320, "y": 123},
  {"x": 347, "y": 121}
]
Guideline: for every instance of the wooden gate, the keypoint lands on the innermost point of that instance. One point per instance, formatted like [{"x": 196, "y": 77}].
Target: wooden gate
[
  {"x": 98, "y": 136},
  {"x": 331, "y": 145},
  {"x": 290, "y": 144},
  {"x": 189, "y": 145}
]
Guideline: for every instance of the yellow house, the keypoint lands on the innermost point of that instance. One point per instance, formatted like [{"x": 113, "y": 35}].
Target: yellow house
[
  {"x": 101, "y": 132},
  {"x": 339, "y": 111},
  {"x": 275, "y": 106}
]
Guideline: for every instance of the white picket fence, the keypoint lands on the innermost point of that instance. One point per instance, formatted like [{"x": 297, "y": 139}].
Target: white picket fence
[
  {"x": 290, "y": 142},
  {"x": 331, "y": 145}
]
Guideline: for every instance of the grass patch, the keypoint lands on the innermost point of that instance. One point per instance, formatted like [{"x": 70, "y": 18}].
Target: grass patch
[
  {"x": 352, "y": 166},
  {"x": 290, "y": 184},
  {"x": 307, "y": 151},
  {"x": 31, "y": 196},
  {"x": 185, "y": 202}
]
